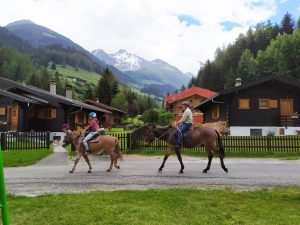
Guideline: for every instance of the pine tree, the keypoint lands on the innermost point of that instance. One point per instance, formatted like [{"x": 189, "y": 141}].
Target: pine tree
[
  {"x": 104, "y": 92},
  {"x": 182, "y": 88},
  {"x": 88, "y": 94},
  {"x": 287, "y": 24},
  {"x": 53, "y": 66}
]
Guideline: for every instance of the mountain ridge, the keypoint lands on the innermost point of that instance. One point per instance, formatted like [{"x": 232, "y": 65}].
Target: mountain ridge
[{"x": 142, "y": 71}]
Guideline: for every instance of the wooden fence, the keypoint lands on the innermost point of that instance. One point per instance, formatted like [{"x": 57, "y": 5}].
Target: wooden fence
[
  {"x": 25, "y": 140},
  {"x": 231, "y": 143}
]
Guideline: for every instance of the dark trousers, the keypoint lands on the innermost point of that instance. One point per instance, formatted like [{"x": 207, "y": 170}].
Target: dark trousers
[{"x": 183, "y": 128}]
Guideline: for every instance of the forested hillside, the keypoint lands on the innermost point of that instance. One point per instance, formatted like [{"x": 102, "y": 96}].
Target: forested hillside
[
  {"x": 38, "y": 66},
  {"x": 264, "y": 50}
]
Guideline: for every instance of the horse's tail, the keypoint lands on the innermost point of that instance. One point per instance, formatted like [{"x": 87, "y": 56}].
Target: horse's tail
[
  {"x": 117, "y": 149},
  {"x": 221, "y": 148}
]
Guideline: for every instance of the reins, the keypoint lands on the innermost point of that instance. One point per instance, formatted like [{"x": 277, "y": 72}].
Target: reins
[{"x": 162, "y": 135}]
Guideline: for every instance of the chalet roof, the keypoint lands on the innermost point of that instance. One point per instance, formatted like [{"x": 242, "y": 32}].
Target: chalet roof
[
  {"x": 39, "y": 95},
  {"x": 17, "y": 97},
  {"x": 283, "y": 79},
  {"x": 103, "y": 106},
  {"x": 187, "y": 93}
]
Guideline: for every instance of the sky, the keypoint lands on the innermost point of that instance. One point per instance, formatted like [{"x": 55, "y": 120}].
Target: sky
[{"x": 184, "y": 33}]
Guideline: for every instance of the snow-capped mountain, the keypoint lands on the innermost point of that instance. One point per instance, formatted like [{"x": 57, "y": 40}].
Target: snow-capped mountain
[
  {"x": 149, "y": 75},
  {"x": 122, "y": 59}
]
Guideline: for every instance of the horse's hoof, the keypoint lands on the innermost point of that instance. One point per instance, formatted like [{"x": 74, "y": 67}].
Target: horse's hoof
[
  {"x": 89, "y": 171},
  {"x": 159, "y": 171},
  {"x": 204, "y": 171},
  {"x": 226, "y": 170},
  {"x": 118, "y": 167},
  {"x": 181, "y": 171},
  {"x": 107, "y": 170},
  {"x": 71, "y": 171}
]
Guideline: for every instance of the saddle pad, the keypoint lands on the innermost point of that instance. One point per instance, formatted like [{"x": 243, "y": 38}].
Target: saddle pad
[
  {"x": 95, "y": 138},
  {"x": 188, "y": 134}
]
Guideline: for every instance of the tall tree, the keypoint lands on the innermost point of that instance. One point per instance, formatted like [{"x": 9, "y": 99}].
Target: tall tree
[
  {"x": 103, "y": 91},
  {"x": 287, "y": 24},
  {"x": 88, "y": 94}
]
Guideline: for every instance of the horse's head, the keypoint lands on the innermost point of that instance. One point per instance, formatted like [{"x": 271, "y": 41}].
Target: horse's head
[
  {"x": 70, "y": 137},
  {"x": 149, "y": 136}
]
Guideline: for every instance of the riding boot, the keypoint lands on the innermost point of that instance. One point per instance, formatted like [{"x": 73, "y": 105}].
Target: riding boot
[{"x": 177, "y": 147}]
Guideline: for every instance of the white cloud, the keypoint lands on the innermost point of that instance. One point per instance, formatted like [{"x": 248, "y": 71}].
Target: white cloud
[{"x": 147, "y": 28}]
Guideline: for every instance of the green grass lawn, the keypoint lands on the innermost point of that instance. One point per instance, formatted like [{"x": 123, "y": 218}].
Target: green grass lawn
[
  {"x": 24, "y": 158},
  {"x": 163, "y": 207},
  {"x": 69, "y": 71}
]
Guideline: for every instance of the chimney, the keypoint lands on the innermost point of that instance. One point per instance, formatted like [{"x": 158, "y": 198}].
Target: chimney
[
  {"x": 52, "y": 87},
  {"x": 238, "y": 82},
  {"x": 69, "y": 90},
  {"x": 97, "y": 100}
]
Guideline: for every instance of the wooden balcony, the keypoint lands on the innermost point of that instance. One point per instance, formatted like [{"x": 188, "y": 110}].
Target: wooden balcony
[{"x": 289, "y": 121}]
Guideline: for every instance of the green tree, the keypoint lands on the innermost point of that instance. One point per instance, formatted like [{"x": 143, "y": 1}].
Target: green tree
[
  {"x": 182, "y": 88},
  {"x": 246, "y": 69},
  {"x": 287, "y": 24},
  {"x": 164, "y": 118},
  {"x": 53, "y": 66},
  {"x": 88, "y": 94},
  {"x": 150, "y": 116},
  {"x": 103, "y": 91},
  {"x": 119, "y": 101}
]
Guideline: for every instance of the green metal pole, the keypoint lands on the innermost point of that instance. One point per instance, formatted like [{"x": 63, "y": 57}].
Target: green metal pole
[{"x": 4, "y": 208}]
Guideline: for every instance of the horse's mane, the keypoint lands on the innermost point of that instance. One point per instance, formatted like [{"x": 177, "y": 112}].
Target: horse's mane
[{"x": 141, "y": 132}]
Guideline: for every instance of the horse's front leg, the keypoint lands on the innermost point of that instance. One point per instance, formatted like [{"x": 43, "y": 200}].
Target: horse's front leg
[
  {"x": 88, "y": 162},
  {"x": 168, "y": 153},
  {"x": 177, "y": 151},
  {"x": 75, "y": 163}
]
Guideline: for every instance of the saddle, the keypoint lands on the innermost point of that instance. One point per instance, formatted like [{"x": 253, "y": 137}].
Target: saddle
[
  {"x": 95, "y": 137},
  {"x": 186, "y": 135}
]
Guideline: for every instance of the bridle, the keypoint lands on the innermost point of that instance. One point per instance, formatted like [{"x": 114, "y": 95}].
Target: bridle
[{"x": 155, "y": 139}]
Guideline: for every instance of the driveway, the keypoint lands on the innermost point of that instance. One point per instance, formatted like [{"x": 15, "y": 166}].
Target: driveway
[{"x": 51, "y": 175}]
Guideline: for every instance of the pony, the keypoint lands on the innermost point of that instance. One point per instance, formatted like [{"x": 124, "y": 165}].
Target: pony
[
  {"x": 108, "y": 143},
  {"x": 200, "y": 136}
]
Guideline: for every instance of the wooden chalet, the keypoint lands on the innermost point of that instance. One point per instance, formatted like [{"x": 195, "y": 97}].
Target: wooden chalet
[
  {"x": 27, "y": 108},
  {"x": 267, "y": 106},
  {"x": 194, "y": 95},
  {"x": 110, "y": 119}
]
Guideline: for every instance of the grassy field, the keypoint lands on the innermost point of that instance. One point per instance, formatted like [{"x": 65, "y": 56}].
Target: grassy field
[
  {"x": 69, "y": 71},
  {"x": 24, "y": 158},
  {"x": 163, "y": 207}
]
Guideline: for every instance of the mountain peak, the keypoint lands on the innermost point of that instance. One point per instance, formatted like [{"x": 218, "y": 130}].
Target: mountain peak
[{"x": 19, "y": 22}]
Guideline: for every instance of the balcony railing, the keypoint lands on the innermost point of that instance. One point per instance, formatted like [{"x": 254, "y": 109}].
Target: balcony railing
[{"x": 290, "y": 121}]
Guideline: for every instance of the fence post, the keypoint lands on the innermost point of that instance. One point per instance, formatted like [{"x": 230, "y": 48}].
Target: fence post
[
  {"x": 3, "y": 142},
  {"x": 48, "y": 140},
  {"x": 269, "y": 143},
  {"x": 4, "y": 208},
  {"x": 128, "y": 141}
]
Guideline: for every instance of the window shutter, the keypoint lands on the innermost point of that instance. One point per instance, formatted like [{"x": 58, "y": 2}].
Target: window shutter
[
  {"x": 53, "y": 113},
  {"x": 273, "y": 104},
  {"x": 243, "y": 103}
]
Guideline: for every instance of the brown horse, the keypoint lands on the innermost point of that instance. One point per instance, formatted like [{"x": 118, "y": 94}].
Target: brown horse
[
  {"x": 205, "y": 136},
  {"x": 108, "y": 143}
]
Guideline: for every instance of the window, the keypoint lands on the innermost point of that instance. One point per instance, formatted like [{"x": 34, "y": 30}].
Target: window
[
  {"x": 255, "y": 132},
  {"x": 264, "y": 103},
  {"x": 215, "y": 112},
  {"x": 80, "y": 118},
  {"x": 47, "y": 113},
  {"x": 243, "y": 103}
]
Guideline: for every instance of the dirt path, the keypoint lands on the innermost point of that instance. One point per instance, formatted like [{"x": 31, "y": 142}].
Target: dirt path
[{"x": 51, "y": 176}]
